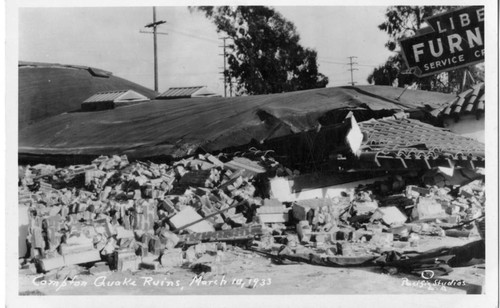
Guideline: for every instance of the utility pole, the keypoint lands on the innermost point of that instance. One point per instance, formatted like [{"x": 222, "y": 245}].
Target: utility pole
[
  {"x": 154, "y": 25},
  {"x": 352, "y": 69},
  {"x": 224, "y": 73}
]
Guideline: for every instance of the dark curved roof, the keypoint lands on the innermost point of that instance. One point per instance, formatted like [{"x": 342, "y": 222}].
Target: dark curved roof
[
  {"x": 178, "y": 127},
  {"x": 47, "y": 89}
]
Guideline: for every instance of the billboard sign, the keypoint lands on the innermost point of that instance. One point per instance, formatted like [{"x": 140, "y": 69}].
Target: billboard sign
[{"x": 455, "y": 39}]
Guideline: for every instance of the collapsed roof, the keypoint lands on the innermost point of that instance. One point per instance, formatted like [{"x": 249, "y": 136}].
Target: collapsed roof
[{"x": 183, "y": 126}]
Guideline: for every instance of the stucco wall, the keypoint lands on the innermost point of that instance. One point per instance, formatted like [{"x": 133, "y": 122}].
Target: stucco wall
[{"x": 467, "y": 126}]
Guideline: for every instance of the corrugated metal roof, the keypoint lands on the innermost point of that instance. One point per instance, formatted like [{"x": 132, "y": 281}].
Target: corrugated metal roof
[
  {"x": 204, "y": 92},
  {"x": 116, "y": 97},
  {"x": 180, "y": 92},
  {"x": 470, "y": 101},
  {"x": 108, "y": 96}
]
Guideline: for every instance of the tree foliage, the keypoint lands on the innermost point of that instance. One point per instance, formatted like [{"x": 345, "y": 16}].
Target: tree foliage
[
  {"x": 265, "y": 55},
  {"x": 402, "y": 22}
]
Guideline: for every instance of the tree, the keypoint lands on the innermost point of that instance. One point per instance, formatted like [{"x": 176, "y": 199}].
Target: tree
[
  {"x": 387, "y": 73},
  {"x": 265, "y": 56},
  {"x": 402, "y": 22}
]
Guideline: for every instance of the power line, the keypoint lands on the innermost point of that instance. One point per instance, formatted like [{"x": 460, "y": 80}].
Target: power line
[
  {"x": 192, "y": 35},
  {"x": 344, "y": 63},
  {"x": 331, "y": 59},
  {"x": 352, "y": 69},
  {"x": 333, "y": 62}
]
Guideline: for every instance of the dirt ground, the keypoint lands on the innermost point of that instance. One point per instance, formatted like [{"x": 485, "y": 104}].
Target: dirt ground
[{"x": 249, "y": 273}]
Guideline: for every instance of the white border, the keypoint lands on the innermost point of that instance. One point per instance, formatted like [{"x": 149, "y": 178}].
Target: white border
[{"x": 490, "y": 299}]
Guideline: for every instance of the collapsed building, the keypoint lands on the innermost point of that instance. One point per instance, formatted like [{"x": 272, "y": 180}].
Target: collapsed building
[{"x": 344, "y": 176}]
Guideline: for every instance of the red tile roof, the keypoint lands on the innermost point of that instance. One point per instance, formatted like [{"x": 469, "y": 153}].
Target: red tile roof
[
  {"x": 470, "y": 101},
  {"x": 407, "y": 141}
]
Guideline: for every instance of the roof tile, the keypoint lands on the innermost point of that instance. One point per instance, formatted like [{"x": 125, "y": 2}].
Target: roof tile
[
  {"x": 467, "y": 102},
  {"x": 410, "y": 139}
]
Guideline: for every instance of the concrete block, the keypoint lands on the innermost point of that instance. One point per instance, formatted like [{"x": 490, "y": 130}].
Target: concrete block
[
  {"x": 126, "y": 260},
  {"x": 272, "y": 202},
  {"x": 452, "y": 219},
  {"x": 343, "y": 235},
  {"x": 169, "y": 239},
  {"x": 143, "y": 250},
  {"x": 109, "y": 246},
  {"x": 189, "y": 215},
  {"x": 281, "y": 189},
  {"x": 245, "y": 164},
  {"x": 272, "y": 211},
  {"x": 131, "y": 263},
  {"x": 382, "y": 239},
  {"x": 415, "y": 191},
  {"x": 344, "y": 249},
  {"x": 320, "y": 240},
  {"x": 189, "y": 255},
  {"x": 236, "y": 234},
  {"x": 390, "y": 215},
  {"x": 76, "y": 248},
  {"x": 214, "y": 160},
  {"x": 359, "y": 234},
  {"x": 51, "y": 263},
  {"x": 104, "y": 224},
  {"x": 82, "y": 257},
  {"x": 144, "y": 217},
  {"x": 401, "y": 245},
  {"x": 466, "y": 192},
  {"x": 155, "y": 246},
  {"x": 427, "y": 208},
  {"x": 126, "y": 243},
  {"x": 154, "y": 265},
  {"x": 365, "y": 207},
  {"x": 172, "y": 258},
  {"x": 458, "y": 233},
  {"x": 121, "y": 232},
  {"x": 273, "y": 218}
]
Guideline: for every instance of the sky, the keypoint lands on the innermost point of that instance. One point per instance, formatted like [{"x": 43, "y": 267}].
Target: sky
[{"x": 189, "y": 53}]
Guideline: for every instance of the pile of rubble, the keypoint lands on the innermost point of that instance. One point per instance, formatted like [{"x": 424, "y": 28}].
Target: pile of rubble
[{"x": 117, "y": 215}]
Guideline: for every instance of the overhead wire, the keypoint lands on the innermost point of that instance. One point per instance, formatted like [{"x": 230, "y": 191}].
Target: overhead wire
[{"x": 192, "y": 35}]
